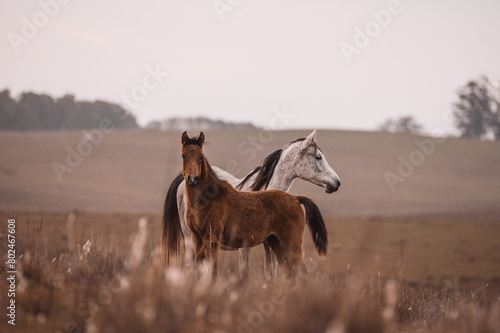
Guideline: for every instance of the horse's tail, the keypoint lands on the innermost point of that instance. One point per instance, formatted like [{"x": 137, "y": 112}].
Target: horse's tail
[
  {"x": 316, "y": 225},
  {"x": 173, "y": 238}
]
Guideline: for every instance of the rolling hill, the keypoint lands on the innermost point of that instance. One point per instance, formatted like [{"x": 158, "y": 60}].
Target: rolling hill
[{"x": 129, "y": 171}]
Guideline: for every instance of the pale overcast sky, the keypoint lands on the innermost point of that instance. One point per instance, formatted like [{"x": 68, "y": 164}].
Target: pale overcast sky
[{"x": 242, "y": 60}]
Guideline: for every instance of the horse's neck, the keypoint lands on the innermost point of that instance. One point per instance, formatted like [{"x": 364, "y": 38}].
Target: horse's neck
[
  {"x": 282, "y": 176},
  {"x": 284, "y": 173},
  {"x": 193, "y": 193},
  {"x": 281, "y": 179},
  {"x": 200, "y": 196}
]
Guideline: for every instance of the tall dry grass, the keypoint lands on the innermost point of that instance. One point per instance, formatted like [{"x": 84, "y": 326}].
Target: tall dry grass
[{"x": 95, "y": 287}]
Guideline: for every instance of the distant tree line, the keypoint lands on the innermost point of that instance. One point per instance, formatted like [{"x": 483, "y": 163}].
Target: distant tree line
[
  {"x": 197, "y": 123},
  {"x": 476, "y": 114},
  {"x": 43, "y": 113},
  {"x": 405, "y": 124}
]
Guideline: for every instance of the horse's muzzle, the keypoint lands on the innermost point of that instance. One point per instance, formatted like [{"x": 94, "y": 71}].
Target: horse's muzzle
[
  {"x": 333, "y": 186},
  {"x": 192, "y": 180}
]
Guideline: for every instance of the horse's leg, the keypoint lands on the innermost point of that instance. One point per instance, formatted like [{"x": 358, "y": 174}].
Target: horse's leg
[
  {"x": 274, "y": 264},
  {"x": 292, "y": 245},
  {"x": 198, "y": 247},
  {"x": 289, "y": 251},
  {"x": 270, "y": 264},
  {"x": 214, "y": 252},
  {"x": 188, "y": 241},
  {"x": 181, "y": 208},
  {"x": 297, "y": 262},
  {"x": 244, "y": 256},
  {"x": 279, "y": 252}
]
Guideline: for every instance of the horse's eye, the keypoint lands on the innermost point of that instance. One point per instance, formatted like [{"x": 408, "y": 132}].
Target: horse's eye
[
  {"x": 183, "y": 156},
  {"x": 318, "y": 157},
  {"x": 201, "y": 158}
]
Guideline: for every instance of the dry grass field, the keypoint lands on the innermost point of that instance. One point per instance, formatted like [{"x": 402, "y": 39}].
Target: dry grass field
[
  {"x": 104, "y": 274},
  {"x": 422, "y": 258}
]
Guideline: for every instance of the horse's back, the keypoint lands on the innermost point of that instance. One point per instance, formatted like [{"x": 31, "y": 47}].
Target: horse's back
[
  {"x": 279, "y": 203},
  {"x": 225, "y": 176}
]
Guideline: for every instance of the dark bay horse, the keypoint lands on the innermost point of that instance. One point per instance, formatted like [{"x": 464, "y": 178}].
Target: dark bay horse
[{"x": 219, "y": 216}]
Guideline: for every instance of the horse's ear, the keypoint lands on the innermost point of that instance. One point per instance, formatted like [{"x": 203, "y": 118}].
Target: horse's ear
[
  {"x": 311, "y": 139},
  {"x": 201, "y": 138},
  {"x": 185, "y": 137}
]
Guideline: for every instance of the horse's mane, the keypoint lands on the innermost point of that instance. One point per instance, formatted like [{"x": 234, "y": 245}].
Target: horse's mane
[
  {"x": 296, "y": 140},
  {"x": 302, "y": 139},
  {"x": 266, "y": 171},
  {"x": 243, "y": 182}
]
